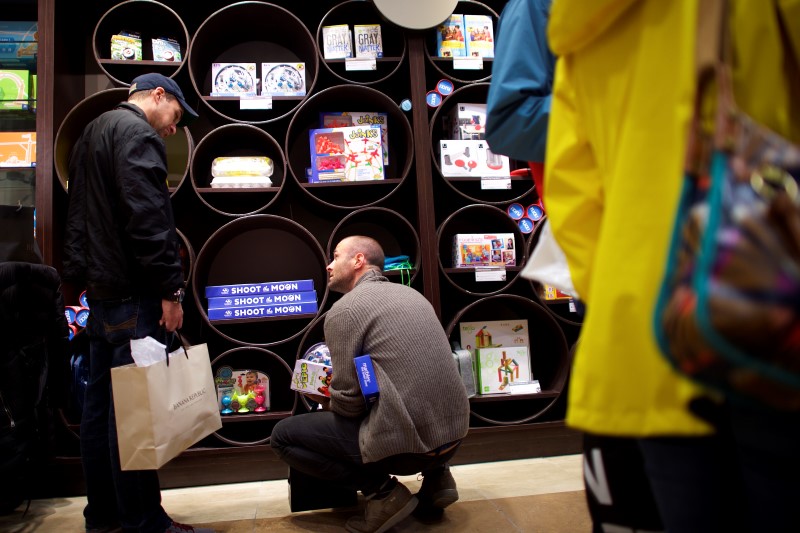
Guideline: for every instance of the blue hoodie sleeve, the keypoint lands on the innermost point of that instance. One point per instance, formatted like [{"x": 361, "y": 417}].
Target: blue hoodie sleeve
[{"x": 518, "y": 105}]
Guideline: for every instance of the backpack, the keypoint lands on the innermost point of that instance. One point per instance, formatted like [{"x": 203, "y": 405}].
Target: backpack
[{"x": 34, "y": 336}]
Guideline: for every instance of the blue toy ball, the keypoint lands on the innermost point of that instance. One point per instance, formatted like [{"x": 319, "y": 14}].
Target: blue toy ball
[{"x": 318, "y": 353}]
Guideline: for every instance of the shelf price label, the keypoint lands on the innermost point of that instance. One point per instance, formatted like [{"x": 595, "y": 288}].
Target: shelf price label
[
  {"x": 495, "y": 182},
  {"x": 255, "y": 102},
  {"x": 468, "y": 63},
  {"x": 360, "y": 63},
  {"x": 490, "y": 274}
]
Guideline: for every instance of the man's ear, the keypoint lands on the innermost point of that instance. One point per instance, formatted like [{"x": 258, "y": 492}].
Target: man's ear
[{"x": 360, "y": 260}]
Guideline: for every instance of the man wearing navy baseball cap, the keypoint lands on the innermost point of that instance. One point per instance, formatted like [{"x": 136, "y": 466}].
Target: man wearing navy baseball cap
[
  {"x": 153, "y": 81},
  {"x": 122, "y": 246}
]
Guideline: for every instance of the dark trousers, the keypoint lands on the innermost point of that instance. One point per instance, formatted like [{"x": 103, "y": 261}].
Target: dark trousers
[
  {"x": 132, "y": 498},
  {"x": 325, "y": 445},
  {"x": 744, "y": 478}
]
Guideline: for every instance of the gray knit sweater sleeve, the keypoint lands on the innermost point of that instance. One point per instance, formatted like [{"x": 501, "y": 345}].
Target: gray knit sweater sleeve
[{"x": 423, "y": 403}]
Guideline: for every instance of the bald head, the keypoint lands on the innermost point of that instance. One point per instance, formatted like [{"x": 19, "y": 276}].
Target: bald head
[{"x": 353, "y": 257}]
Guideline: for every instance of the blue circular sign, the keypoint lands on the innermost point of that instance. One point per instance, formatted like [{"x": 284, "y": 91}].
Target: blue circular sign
[
  {"x": 525, "y": 225},
  {"x": 535, "y": 212},
  {"x": 516, "y": 211},
  {"x": 405, "y": 105},
  {"x": 433, "y": 99},
  {"x": 445, "y": 87}
]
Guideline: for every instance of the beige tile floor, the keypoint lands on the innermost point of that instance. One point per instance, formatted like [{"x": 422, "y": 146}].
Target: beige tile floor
[{"x": 543, "y": 495}]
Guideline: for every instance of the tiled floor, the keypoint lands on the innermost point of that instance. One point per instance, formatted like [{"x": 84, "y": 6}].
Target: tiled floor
[{"x": 542, "y": 495}]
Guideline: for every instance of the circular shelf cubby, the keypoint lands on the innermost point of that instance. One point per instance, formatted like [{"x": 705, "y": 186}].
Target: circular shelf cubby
[
  {"x": 260, "y": 249},
  {"x": 481, "y": 220},
  {"x": 156, "y": 20},
  {"x": 188, "y": 257},
  {"x": 179, "y": 146},
  {"x": 353, "y": 13},
  {"x": 470, "y": 187},
  {"x": 394, "y": 232},
  {"x": 351, "y": 99},
  {"x": 251, "y": 429},
  {"x": 563, "y": 309},
  {"x": 447, "y": 66},
  {"x": 251, "y": 32},
  {"x": 236, "y": 140},
  {"x": 549, "y": 358}
]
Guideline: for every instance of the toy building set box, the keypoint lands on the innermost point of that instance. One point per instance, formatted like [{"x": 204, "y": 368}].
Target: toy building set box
[
  {"x": 313, "y": 373},
  {"x": 484, "y": 249},
  {"x": 494, "y": 334},
  {"x": 497, "y": 368},
  {"x": 346, "y": 154},
  {"x": 261, "y": 300},
  {"x": 348, "y": 119},
  {"x": 242, "y": 391},
  {"x": 126, "y": 45},
  {"x": 19, "y": 44}
]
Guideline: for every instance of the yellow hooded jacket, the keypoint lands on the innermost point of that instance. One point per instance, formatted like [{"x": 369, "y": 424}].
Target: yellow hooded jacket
[{"x": 622, "y": 101}]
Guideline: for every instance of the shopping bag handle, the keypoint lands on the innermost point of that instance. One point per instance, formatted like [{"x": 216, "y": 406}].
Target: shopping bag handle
[{"x": 182, "y": 341}]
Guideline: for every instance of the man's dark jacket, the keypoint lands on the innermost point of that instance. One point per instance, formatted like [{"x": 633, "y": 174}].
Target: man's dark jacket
[{"x": 120, "y": 238}]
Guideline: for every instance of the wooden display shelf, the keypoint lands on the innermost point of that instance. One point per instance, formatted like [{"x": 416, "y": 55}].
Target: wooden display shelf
[
  {"x": 145, "y": 62},
  {"x": 267, "y": 415},
  {"x": 480, "y": 398},
  {"x": 377, "y": 59},
  {"x": 262, "y": 319},
  {"x": 351, "y": 183},
  {"x": 214, "y": 190}
]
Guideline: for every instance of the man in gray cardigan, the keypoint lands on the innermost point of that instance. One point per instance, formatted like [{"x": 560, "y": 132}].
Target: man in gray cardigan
[{"x": 421, "y": 415}]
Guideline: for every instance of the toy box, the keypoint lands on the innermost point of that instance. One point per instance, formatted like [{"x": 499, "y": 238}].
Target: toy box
[
  {"x": 268, "y": 287},
  {"x": 127, "y": 46},
  {"x": 496, "y": 368},
  {"x": 257, "y": 300},
  {"x": 450, "y": 37},
  {"x": 484, "y": 249},
  {"x": 367, "y": 379},
  {"x": 311, "y": 377},
  {"x": 551, "y": 293},
  {"x": 479, "y": 35},
  {"x": 368, "y": 40},
  {"x": 336, "y": 42},
  {"x": 494, "y": 334},
  {"x": 166, "y": 49},
  {"x": 18, "y": 44},
  {"x": 17, "y": 149},
  {"x": 346, "y": 119},
  {"x": 242, "y": 391},
  {"x": 234, "y": 79},
  {"x": 466, "y": 122},
  {"x": 471, "y": 159},
  {"x": 283, "y": 79},
  {"x": 14, "y": 89},
  {"x": 262, "y": 311},
  {"x": 346, "y": 154}
]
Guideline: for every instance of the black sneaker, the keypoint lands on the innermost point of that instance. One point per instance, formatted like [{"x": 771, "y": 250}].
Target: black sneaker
[{"x": 438, "y": 489}]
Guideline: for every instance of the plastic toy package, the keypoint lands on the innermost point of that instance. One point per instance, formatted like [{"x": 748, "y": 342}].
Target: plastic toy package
[
  {"x": 242, "y": 391},
  {"x": 283, "y": 79}
]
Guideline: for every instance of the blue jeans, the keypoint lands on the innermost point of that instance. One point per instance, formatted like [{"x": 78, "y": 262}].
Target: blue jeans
[
  {"x": 131, "y": 498},
  {"x": 325, "y": 445}
]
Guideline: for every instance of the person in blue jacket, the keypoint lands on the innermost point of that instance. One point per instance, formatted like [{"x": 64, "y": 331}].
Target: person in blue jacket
[{"x": 518, "y": 105}]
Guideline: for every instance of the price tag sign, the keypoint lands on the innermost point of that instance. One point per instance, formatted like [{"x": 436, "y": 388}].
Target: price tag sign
[
  {"x": 490, "y": 274},
  {"x": 516, "y": 211},
  {"x": 468, "y": 63},
  {"x": 495, "y": 182},
  {"x": 445, "y": 87},
  {"x": 255, "y": 102},
  {"x": 525, "y": 225},
  {"x": 360, "y": 63},
  {"x": 433, "y": 99}
]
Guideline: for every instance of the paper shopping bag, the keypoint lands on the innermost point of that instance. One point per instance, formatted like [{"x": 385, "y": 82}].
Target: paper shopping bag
[{"x": 163, "y": 409}]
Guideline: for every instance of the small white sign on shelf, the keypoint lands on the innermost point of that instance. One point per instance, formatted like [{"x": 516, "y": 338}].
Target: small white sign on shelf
[
  {"x": 524, "y": 387},
  {"x": 495, "y": 182},
  {"x": 467, "y": 63},
  {"x": 255, "y": 102},
  {"x": 490, "y": 274},
  {"x": 360, "y": 63}
]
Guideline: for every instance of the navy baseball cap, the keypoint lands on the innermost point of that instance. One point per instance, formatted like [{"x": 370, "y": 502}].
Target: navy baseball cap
[{"x": 150, "y": 81}]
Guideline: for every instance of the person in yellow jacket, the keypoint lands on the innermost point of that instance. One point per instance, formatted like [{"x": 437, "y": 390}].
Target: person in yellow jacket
[{"x": 622, "y": 101}]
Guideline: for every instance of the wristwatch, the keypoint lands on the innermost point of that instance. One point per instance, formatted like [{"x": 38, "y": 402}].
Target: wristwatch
[{"x": 177, "y": 296}]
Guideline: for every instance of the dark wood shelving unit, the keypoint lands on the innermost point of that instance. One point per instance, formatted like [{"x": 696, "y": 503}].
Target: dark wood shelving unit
[{"x": 288, "y": 231}]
